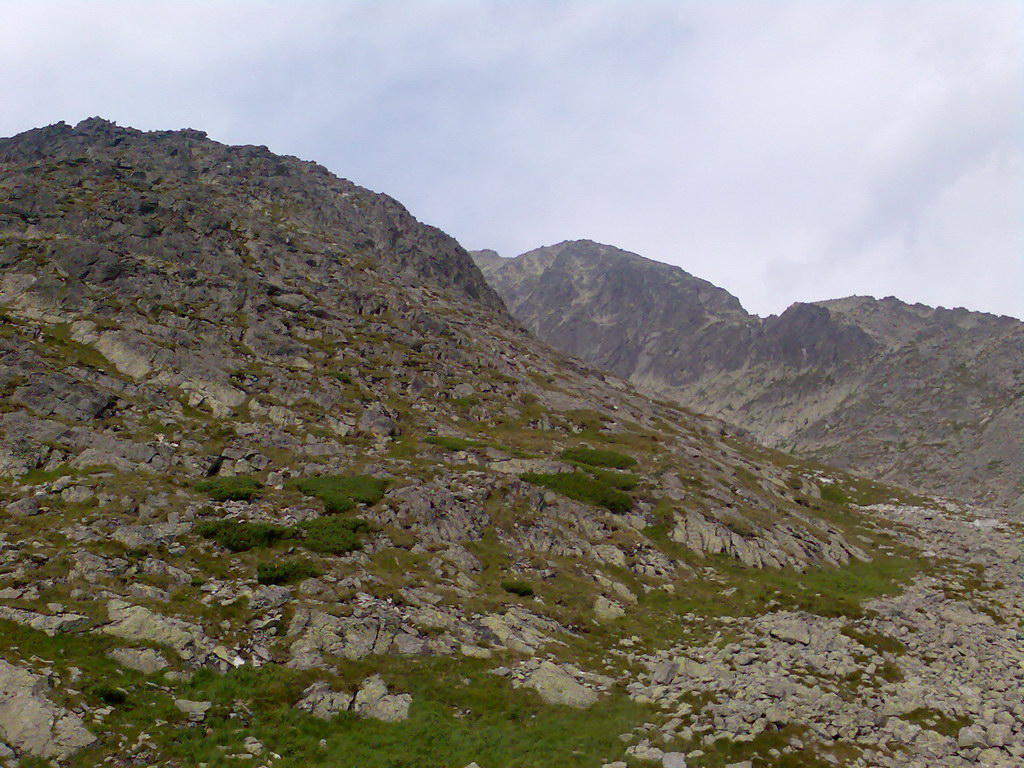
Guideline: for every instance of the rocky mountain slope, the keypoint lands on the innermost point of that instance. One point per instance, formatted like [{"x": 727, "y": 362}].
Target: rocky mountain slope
[
  {"x": 924, "y": 397},
  {"x": 282, "y": 483}
]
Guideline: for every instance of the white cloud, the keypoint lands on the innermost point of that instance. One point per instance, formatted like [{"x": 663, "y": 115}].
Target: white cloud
[{"x": 785, "y": 149}]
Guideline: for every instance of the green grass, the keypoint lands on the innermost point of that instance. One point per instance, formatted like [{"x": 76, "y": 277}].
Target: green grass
[
  {"x": 339, "y": 493},
  {"x": 599, "y": 457},
  {"x": 880, "y": 643},
  {"x": 332, "y": 535},
  {"x": 623, "y": 481},
  {"x": 460, "y": 713},
  {"x": 834, "y": 494},
  {"x": 237, "y": 488},
  {"x": 582, "y": 487},
  {"x": 286, "y": 571},
  {"x": 239, "y": 536}
]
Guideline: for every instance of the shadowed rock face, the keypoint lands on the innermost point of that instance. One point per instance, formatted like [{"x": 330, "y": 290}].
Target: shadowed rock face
[{"x": 925, "y": 397}]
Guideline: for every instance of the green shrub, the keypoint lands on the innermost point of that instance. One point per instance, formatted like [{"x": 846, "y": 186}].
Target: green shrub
[
  {"x": 286, "y": 571},
  {"x": 239, "y": 536},
  {"x": 624, "y": 481},
  {"x": 599, "y": 457},
  {"x": 238, "y": 488},
  {"x": 517, "y": 587},
  {"x": 339, "y": 493},
  {"x": 582, "y": 487},
  {"x": 333, "y": 535}
]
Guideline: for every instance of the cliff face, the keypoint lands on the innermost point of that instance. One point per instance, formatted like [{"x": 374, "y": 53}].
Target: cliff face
[{"x": 929, "y": 398}]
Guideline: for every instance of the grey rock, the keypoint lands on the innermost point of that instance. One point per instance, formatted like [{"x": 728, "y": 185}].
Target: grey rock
[
  {"x": 321, "y": 701},
  {"x": 31, "y": 723},
  {"x": 23, "y": 507},
  {"x": 136, "y": 623},
  {"x": 145, "y": 660},
  {"x": 373, "y": 700},
  {"x": 556, "y": 686},
  {"x": 195, "y": 710},
  {"x": 51, "y": 624}
]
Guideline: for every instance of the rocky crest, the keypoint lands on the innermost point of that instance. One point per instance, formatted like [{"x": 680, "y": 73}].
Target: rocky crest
[{"x": 924, "y": 397}]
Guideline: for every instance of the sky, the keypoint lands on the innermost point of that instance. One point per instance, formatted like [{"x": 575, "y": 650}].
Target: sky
[{"x": 786, "y": 150}]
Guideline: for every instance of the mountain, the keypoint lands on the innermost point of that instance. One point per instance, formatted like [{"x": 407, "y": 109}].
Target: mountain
[
  {"x": 282, "y": 483},
  {"x": 929, "y": 398}
]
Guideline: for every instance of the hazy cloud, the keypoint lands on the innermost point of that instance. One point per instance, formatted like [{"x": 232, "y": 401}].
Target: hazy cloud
[{"x": 784, "y": 149}]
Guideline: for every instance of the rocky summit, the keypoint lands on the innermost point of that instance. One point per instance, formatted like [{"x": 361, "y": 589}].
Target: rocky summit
[
  {"x": 282, "y": 483},
  {"x": 925, "y": 397}
]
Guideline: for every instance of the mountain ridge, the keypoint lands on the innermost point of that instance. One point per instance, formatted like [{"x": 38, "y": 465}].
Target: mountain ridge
[
  {"x": 814, "y": 379},
  {"x": 282, "y": 483}
]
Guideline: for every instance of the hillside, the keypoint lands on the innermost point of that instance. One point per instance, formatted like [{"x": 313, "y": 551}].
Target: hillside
[
  {"x": 283, "y": 483},
  {"x": 932, "y": 399}
]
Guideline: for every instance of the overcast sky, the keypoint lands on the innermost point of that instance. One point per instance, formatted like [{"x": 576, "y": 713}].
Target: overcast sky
[{"x": 787, "y": 150}]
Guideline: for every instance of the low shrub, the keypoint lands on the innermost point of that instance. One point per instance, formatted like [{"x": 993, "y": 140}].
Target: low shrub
[
  {"x": 582, "y": 487},
  {"x": 238, "y": 488},
  {"x": 286, "y": 571},
  {"x": 596, "y": 457},
  {"x": 332, "y": 535},
  {"x": 110, "y": 695},
  {"x": 624, "y": 481},
  {"x": 339, "y": 493},
  {"x": 452, "y": 443},
  {"x": 517, "y": 587},
  {"x": 238, "y": 536}
]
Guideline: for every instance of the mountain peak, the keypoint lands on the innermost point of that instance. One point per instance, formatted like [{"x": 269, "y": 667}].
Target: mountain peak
[{"x": 867, "y": 383}]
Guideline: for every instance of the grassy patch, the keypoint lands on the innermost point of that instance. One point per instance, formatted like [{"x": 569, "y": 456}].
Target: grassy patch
[
  {"x": 935, "y": 720},
  {"x": 237, "y": 488},
  {"x": 459, "y": 714},
  {"x": 599, "y": 457},
  {"x": 286, "y": 571},
  {"x": 239, "y": 536},
  {"x": 880, "y": 643},
  {"x": 623, "y": 481},
  {"x": 582, "y": 487},
  {"x": 834, "y": 494},
  {"x": 453, "y": 443}
]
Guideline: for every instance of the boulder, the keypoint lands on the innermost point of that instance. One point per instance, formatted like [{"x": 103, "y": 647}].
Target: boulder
[
  {"x": 135, "y": 623},
  {"x": 607, "y": 610},
  {"x": 196, "y": 710},
  {"x": 145, "y": 660},
  {"x": 323, "y": 702},
  {"x": 23, "y": 507},
  {"x": 31, "y": 723},
  {"x": 556, "y": 686},
  {"x": 373, "y": 700}
]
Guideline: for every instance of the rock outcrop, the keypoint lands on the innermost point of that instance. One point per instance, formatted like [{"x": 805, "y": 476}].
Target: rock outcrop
[{"x": 31, "y": 723}]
